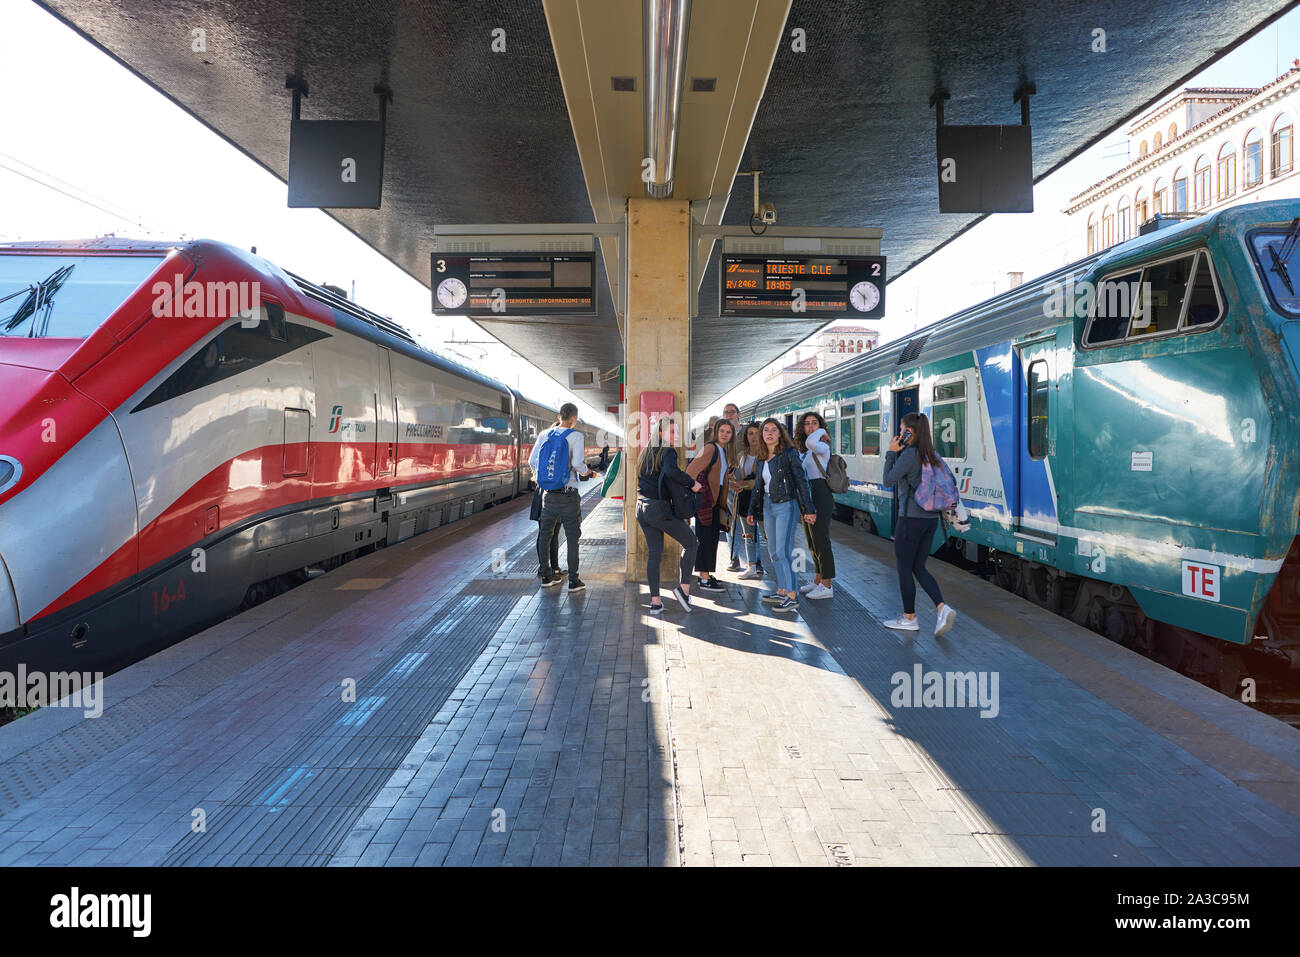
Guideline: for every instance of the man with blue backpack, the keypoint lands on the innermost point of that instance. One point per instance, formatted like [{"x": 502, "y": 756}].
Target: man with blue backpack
[
  {"x": 924, "y": 489},
  {"x": 558, "y": 461}
]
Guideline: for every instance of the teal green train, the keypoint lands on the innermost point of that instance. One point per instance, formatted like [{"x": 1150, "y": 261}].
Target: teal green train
[{"x": 1125, "y": 432}]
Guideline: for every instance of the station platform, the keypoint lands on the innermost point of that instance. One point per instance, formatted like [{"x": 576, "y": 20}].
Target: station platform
[{"x": 495, "y": 722}]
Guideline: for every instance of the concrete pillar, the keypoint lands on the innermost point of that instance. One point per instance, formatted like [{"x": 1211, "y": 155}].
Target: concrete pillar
[{"x": 657, "y": 342}]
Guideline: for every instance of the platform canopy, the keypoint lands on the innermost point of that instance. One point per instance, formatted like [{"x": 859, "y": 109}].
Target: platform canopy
[{"x": 842, "y": 128}]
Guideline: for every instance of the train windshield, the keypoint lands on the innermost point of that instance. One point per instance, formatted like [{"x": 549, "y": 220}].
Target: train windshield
[
  {"x": 1277, "y": 254},
  {"x": 65, "y": 296}
]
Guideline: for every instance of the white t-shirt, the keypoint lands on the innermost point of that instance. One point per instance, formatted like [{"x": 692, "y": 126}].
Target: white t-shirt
[
  {"x": 818, "y": 456},
  {"x": 767, "y": 477}
]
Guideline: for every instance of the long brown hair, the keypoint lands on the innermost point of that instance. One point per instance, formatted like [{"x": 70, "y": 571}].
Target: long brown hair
[
  {"x": 652, "y": 456},
  {"x": 782, "y": 439},
  {"x": 730, "y": 445},
  {"x": 801, "y": 439},
  {"x": 745, "y": 447},
  {"x": 922, "y": 441}
]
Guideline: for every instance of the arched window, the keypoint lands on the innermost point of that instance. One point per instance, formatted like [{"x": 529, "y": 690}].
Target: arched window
[
  {"x": 841, "y": 345},
  {"x": 1141, "y": 209},
  {"x": 1180, "y": 190},
  {"x": 1156, "y": 141},
  {"x": 1227, "y": 171},
  {"x": 1107, "y": 228},
  {"x": 1173, "y": 131},
  {"x": 1201, "y": 178},
  {"x": 859, "y": 349},
  {"x": 1252, "y": 159},
  {"x": 1092, "y": 233},
  {"x": 1282, "y": 145},
  {"x": 1123, "y": 221},
  {"x": 1159, "y": 198},
  {"x": 1143, "y": 149}
]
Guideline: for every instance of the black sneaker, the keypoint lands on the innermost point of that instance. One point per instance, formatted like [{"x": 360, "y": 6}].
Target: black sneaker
[
  {"x": 576, "y": 585},
  {"x": 550, "y": 580},
  {"x": 773, "y": 598},
  {"x": 682, "y": 598},
  {"x": 734, "y": 566},
  {"x": 657, "y": 609},
  {"x": 713, "y": 585},
  {"x": 788, "y": 605}
]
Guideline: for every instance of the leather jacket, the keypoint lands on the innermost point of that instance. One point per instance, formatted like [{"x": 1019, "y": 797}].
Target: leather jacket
[{"x": 788, "y": 481}]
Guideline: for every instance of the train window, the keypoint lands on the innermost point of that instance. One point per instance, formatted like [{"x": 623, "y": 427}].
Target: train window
[
  {"x": 1160, "y": 297},
  {"x": 1112, "y": 308},
  {"x": 1037, "y": 409},
  {"x": 1279, "y": 266},
  {"x": 871, "y": 426},
  {"x": 234, "y": 350},
  {"x": 1203, "y": 305},
  {"x": 848, "y": 438},
  {"x": 948, "y": 419},
  {"x": 276, "y": 327}
]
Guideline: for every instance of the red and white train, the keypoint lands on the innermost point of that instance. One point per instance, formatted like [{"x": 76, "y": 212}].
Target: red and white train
[{"x": 166, "y": 458}]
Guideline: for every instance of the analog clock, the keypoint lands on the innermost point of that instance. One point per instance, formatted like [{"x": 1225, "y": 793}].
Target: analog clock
[
  {"x": 452, "y": 293},
  {"x": 864, "y": 296}
]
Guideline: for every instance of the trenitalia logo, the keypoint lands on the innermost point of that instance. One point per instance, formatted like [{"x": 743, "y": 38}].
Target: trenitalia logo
[
  {"x": 198, "y": 300},
  {"x": 966, "y": 475},
  {"x": 336, "y": 418},
  {"x": 732, "y": 267}
]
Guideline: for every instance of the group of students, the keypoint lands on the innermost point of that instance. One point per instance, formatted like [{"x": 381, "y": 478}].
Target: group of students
[{"x": 758, "y": 478}]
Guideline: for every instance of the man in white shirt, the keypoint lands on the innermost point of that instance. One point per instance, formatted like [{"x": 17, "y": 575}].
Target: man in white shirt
[{"x": 562, "y": 505}]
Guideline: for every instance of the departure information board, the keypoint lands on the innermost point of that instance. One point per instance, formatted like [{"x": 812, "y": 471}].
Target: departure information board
[
  {"x": 782, "y": 285},
  {"x": 524, "y": 284}
]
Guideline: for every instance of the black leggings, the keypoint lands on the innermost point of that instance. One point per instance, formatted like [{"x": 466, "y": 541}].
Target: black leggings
[
  {"x": 912, "y": 540},
  {"x": 818, "y": 534},
  {"x": 706, "y": 558},
  {"x": 656, "y": 518}
]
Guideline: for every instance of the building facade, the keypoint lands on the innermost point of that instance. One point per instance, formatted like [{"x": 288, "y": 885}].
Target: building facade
[
  {"x": 1199, "y": 150},
  {"x": 831, "y": 346}
]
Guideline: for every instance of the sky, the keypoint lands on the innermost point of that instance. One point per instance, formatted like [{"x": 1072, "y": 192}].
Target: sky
[{"x": 90, "y": 150}]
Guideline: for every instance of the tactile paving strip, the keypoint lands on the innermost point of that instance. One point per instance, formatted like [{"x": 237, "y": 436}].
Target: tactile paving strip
[{"x": 298, "y": 809}]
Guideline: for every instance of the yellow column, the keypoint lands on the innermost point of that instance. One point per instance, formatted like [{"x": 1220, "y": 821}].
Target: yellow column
[{"x": 657, "y": 342}]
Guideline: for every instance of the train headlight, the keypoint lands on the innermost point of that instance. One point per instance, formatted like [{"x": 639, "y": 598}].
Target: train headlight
[{"x": 11, "y": 470}]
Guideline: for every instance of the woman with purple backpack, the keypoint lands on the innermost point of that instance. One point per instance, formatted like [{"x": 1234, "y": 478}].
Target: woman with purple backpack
[{"x": 910, "y": 457}]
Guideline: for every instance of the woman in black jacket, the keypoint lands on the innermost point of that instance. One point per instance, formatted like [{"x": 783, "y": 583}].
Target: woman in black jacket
[
  {"x": 654, "y": 512},
  {"x": 909, "y": 451},
  {"x": 781, "y": 494}
]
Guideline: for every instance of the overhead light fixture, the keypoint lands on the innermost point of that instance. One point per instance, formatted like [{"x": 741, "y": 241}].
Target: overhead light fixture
[{"x": 667, "y": 23}]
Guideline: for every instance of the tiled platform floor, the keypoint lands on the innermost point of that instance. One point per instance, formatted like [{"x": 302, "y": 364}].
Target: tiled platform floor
[{"x": 494, "y": 722}]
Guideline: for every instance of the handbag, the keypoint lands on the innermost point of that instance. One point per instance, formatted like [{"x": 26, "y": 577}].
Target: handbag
[
  {"x": 535, "y": 512},
  {"x": 704, "y": 513},
  {"x": 682, "y": 501}
]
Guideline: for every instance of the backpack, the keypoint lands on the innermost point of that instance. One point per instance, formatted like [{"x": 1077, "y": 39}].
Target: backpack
[
  {"x": 837, "y": 474},
  {"x": 553, "y": 462},
  {"x": 836, "y": 471},
  {"x": 938, "y": 489}
]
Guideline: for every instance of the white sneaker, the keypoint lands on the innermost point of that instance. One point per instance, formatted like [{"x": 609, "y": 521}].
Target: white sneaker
[
  {"x": 821, "y": 591},
  {"x": 944, "y": 623},
  {"x": 805, "y": 589},
  {"x": 902, "y": 624},
  {"x": 750, "y": 574}
]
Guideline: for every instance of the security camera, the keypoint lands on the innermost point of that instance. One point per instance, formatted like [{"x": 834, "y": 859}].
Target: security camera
[{"x": 767, "y": 213}]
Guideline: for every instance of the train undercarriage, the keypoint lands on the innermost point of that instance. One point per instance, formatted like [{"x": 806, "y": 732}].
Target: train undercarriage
[{"x": 1109, "y": 609}]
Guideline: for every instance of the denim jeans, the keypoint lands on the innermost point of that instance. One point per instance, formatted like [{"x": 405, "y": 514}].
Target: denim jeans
[{"x": 779, "y": 519}]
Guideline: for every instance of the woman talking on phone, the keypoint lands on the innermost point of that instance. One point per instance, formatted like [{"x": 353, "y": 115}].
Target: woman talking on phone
[{"x": 909, "y": 452}]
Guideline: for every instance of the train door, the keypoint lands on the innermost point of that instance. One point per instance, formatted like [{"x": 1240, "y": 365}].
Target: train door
[
  {"x": 1036, "y": 439},
  {"x": 385, "y": 418},
  {"x": 905, "y": 403}
]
